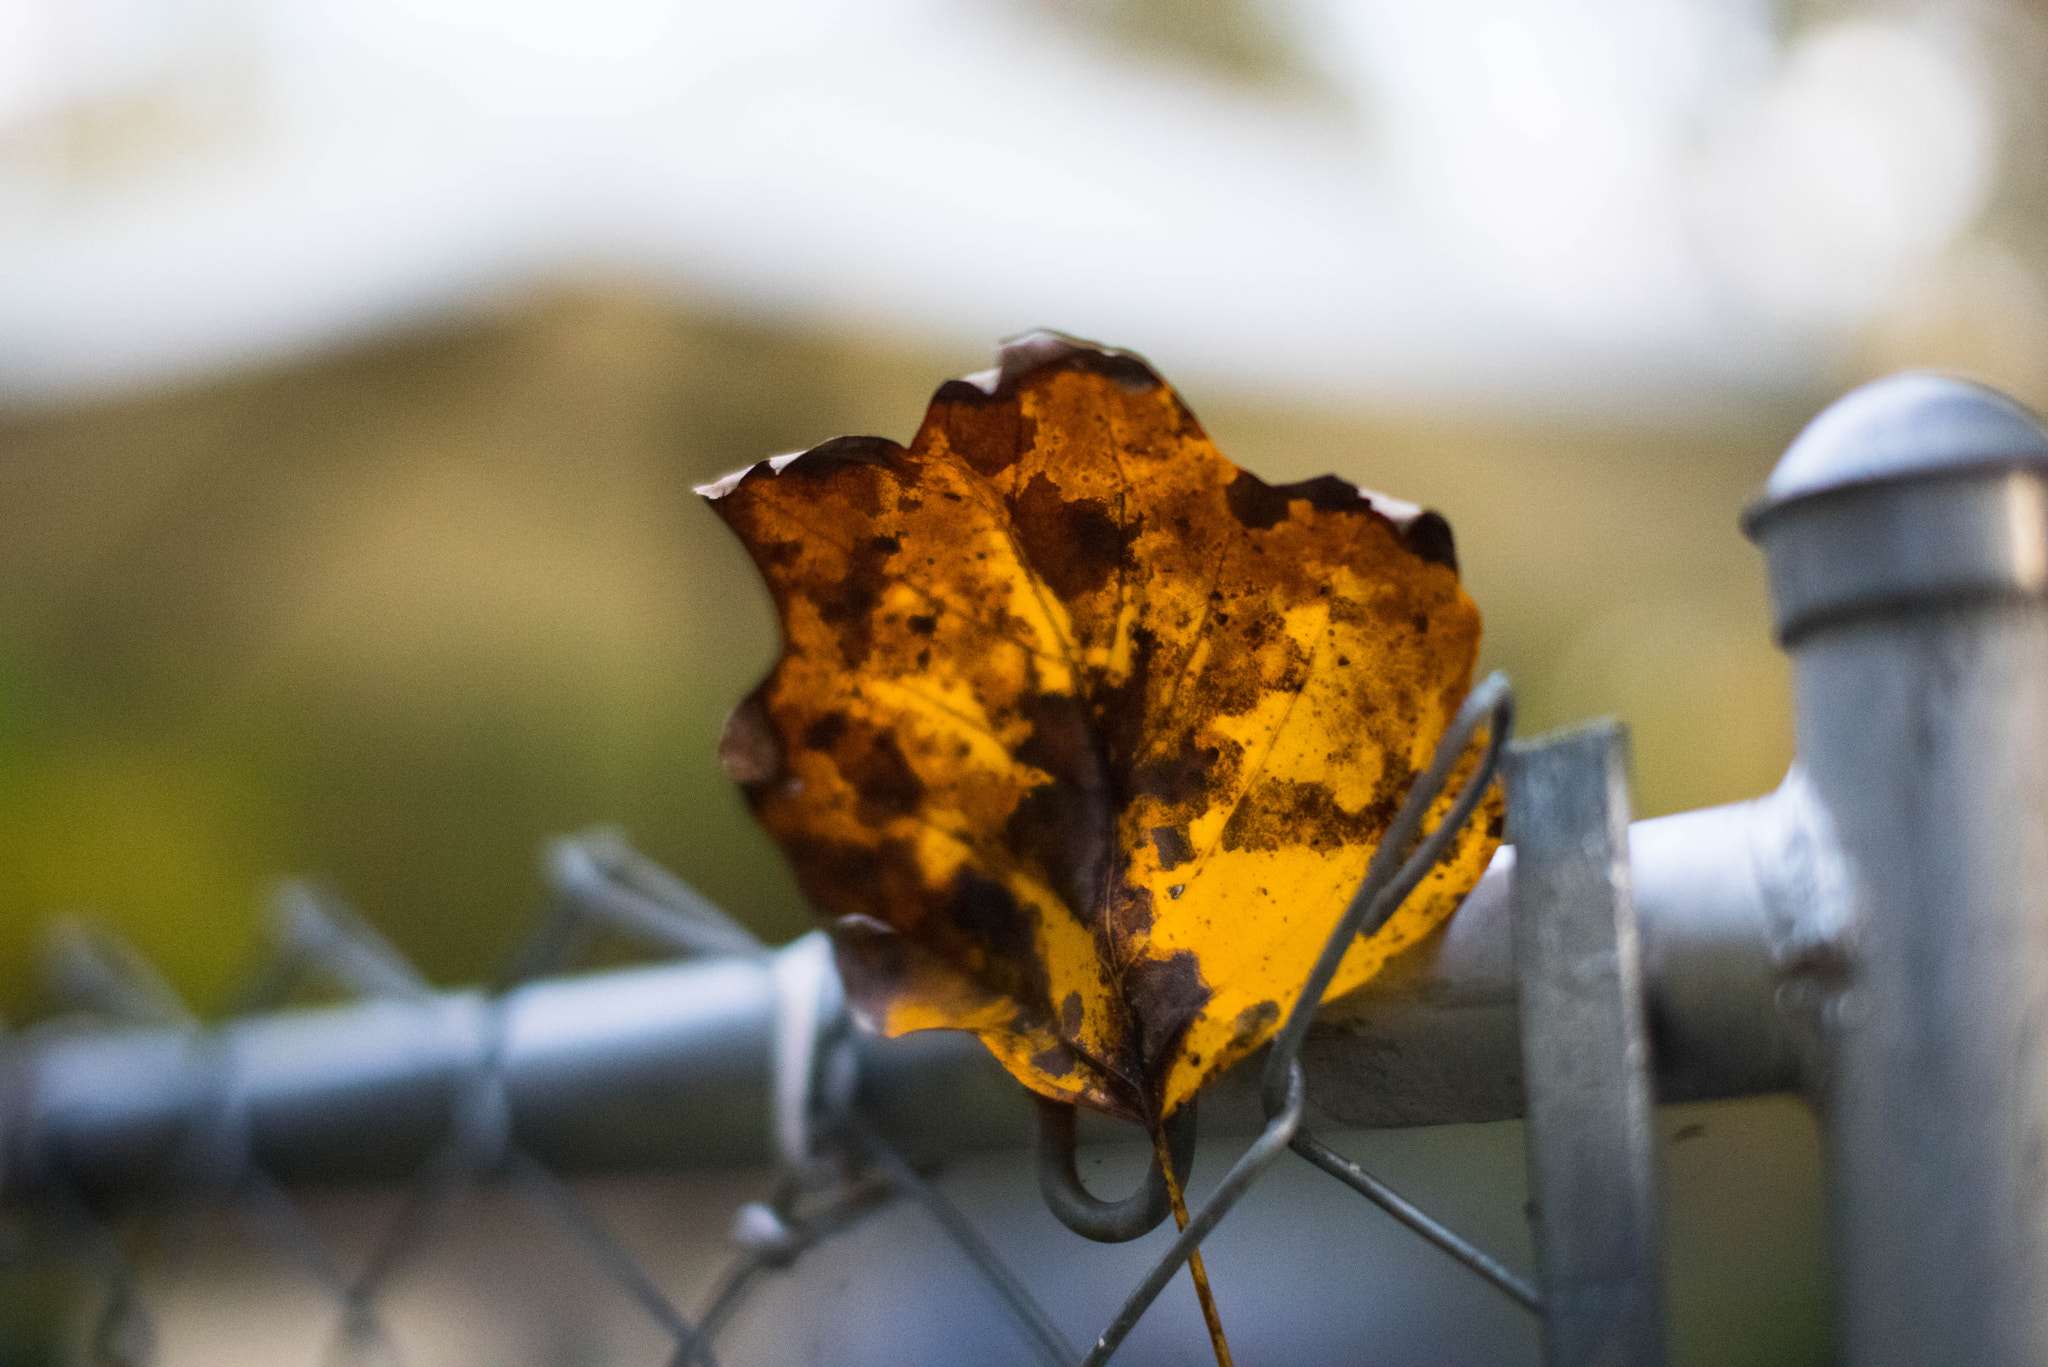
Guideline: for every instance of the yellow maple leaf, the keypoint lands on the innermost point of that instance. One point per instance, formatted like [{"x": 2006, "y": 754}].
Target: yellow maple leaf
[{"x": 1081, "y": 736}]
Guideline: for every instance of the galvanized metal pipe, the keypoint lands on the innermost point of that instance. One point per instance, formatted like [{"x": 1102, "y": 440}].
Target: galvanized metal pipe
[
  {"x": 669, "y": 1065},
  {"x": 1907, "y": 531}
]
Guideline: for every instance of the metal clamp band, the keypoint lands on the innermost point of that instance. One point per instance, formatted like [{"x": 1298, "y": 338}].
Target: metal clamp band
[
  {"x": 1914, "y": 491},
  {"x": 1944, "y": 537}
]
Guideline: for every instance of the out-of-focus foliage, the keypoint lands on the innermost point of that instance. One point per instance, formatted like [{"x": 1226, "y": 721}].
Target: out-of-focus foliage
[{"x": 1241, "y": 41}]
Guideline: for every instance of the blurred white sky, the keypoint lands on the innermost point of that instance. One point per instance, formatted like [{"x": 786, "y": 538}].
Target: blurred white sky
[{"x": 1517, "y": 202}]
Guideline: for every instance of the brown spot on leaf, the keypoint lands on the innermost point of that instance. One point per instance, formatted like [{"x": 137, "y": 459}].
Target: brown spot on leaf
[
  {"x": 1328, "y": 494},
  {"x": 840, "y": 877},
  {"x": 883, "y": 778},
  {"x": 1254, "y": 502},
  {"x": 1075, "y": 546},
  {"x": 1063, "y": 826},
  {"x": 1179, "y": 777},
  {"x": 1173, "y": 846},
  {"x": 1055, "y": 1061},
  {"x": 830, "y": 457},
  {"x": 1262, "y": 506},
  {"x": 1130, "y": 912},
  {"x": 1026, "y": 355},
  {"x": 1060, "y": 740},
  {"x": 1429, "y": 536},
  {"x": 1279, "y": 813},
  {"x": 849, "y": 603},
  {"x": 1120, "y": 711},
  {"x": 1164, "y": 995},
  {"x": 988, "y": 434},
  {"x": 1062, "y": 834},
  {"x": 824, "y": 733},
  {"x": 1252, "y": 1023},
  {"x": 985, "y": 914}
]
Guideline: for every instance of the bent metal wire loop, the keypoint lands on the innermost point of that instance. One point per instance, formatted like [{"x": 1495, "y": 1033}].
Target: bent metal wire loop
[
  {"x": 837, "y": 1169},
  {"x": 1107, "y": 1222}
]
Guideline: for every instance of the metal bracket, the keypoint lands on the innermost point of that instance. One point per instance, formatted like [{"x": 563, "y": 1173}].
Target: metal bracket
[{"x": 1585, "y": 1052}]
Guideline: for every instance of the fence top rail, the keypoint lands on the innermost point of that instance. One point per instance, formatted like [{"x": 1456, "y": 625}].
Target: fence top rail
[{"x": 669, "y": 1064}]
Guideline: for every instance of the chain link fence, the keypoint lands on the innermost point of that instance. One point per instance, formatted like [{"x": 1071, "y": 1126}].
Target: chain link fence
[{"x": 835, "y": 1168}]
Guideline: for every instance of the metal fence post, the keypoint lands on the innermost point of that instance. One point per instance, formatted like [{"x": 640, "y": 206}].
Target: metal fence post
[
  {"x": 1907, "y": 534},
  {"x": 1585, "y": 1052}
]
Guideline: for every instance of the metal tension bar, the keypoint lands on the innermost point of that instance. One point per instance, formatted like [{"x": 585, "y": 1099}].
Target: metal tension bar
[{"x": 1585, "y": 1052}]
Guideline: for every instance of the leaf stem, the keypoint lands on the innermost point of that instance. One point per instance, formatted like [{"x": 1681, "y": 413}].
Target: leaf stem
[{"x": 1195, "y": 1267}]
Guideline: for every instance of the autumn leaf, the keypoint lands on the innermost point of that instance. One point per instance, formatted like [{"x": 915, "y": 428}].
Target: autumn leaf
[{"x": 1081, "y": 736}]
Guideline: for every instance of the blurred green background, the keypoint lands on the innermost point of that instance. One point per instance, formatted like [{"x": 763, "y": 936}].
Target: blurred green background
[
  {"x": 356, "y": 364},
  {"x": 393, "y": 616}
]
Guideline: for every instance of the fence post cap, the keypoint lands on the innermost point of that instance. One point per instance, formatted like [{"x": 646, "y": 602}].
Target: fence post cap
[
  {"x": 1912, "y": 423},
  {"x": 1913, "y": 492}
]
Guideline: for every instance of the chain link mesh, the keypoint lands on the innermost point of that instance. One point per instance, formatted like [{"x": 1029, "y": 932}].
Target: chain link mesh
[
  {"x": 836, "y": 1169},
  {"x": 598, "y": 882}
]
